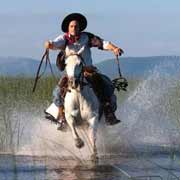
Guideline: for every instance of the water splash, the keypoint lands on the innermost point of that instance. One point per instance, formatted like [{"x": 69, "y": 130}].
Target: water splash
[
  {"x": 46, "y": 140},
  {"x": 145, "y": 114}
]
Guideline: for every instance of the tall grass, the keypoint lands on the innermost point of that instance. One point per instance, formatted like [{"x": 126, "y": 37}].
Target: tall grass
[
  {"x": 19, "y": 89},
  {"x": 15, "y": 95}
]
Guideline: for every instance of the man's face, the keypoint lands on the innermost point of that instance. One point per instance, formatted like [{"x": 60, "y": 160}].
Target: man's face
[{"x": 73, "y": 28}]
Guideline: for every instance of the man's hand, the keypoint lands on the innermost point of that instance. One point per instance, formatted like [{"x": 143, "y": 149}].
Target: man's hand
[
  {"x": 48, "y": 45},
  {"x": 118, "y": 51}
]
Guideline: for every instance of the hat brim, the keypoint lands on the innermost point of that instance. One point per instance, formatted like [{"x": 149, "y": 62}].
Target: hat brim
[{"x": 74, "y": 16}]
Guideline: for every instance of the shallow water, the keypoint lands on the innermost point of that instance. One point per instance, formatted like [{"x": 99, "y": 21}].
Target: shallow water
[
  {"x": 146, "y": 143},
  {"x": 108, "y": 168}
]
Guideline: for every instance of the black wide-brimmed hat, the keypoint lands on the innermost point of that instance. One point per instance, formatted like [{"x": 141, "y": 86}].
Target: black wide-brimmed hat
[{"x": 74, "y": 16}]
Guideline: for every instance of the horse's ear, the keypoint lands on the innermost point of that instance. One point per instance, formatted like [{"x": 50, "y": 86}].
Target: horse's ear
[{"x": 80, "y": 51}]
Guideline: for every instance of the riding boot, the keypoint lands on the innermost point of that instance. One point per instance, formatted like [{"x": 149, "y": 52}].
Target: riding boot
[
  {"x": 110, "y": 117},
  {"x": 61, "y": 119}
]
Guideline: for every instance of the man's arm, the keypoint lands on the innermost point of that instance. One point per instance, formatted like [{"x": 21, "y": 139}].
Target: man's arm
[
  {"x": 96, "y": 41},
  {"x": 116, "y": 50},
  {"x": 58, "y": 43}
]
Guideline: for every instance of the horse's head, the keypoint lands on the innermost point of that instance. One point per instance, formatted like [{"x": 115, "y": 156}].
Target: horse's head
[{"x": 74, "y": 69}]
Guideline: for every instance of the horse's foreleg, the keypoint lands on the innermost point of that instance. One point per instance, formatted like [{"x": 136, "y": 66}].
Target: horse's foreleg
[
  {"x": 78, "y": 141},
  {"x": 92, "y": 135}
]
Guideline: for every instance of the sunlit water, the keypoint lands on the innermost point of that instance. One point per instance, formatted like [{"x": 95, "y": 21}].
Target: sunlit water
[{"x": 146, "y": 143}]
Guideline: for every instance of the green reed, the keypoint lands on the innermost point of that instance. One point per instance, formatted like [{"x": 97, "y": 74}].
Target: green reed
[
  {"x": 16, "y": 95},
  {"x": 19, "y": 89}
]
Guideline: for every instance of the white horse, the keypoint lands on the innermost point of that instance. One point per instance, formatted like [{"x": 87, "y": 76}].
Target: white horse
[{"x": 80, "y": 102}]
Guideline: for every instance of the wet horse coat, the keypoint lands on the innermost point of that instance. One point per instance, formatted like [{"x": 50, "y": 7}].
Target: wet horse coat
[{"x": 81, "y": 103}]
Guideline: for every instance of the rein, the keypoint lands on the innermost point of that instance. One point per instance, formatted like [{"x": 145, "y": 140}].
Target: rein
[
  {"x": 120, "y": 83},
  {"x": 38, "y": 75}
]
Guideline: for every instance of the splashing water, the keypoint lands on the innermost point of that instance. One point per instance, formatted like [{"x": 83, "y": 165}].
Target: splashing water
[
  {"x": 145, "y": 116},
  {"x": 146, "y": 112}
]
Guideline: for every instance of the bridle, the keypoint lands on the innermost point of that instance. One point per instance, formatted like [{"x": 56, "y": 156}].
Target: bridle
[{"x": 80, "y": 78}]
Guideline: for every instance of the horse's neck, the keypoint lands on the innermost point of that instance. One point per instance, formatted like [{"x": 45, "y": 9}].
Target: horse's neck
[{"x": 71, "y": 63}]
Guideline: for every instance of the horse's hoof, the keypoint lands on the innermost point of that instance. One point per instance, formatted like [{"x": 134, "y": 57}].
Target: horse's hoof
[{"x": 79, "y": 143}]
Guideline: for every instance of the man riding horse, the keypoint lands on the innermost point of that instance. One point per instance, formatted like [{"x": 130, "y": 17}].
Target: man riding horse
[{"x": 74, "y": 39}]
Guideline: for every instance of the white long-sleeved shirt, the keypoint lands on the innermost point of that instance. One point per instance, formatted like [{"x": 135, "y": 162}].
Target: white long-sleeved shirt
[{"x": 86, "y": 40}]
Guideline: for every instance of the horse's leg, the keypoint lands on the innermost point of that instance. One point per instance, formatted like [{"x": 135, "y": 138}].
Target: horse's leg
[
  {"x": 70, "y": 113},
  {"x": 93, "y": 123},
  {"x": 78, "y": 141}
]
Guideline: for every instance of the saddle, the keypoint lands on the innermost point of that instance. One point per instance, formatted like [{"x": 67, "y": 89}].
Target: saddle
[
  {"x": 102, "y": 87},
  {"x": 91, "y": 75}
]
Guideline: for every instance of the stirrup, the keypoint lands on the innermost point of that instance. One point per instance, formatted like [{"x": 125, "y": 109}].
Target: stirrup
[{"x": 62, "y": 125}]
